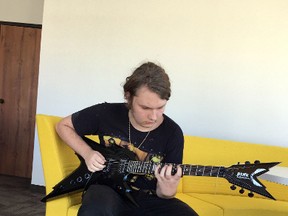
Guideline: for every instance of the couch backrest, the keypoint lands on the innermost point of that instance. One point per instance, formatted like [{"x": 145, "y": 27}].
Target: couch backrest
[{"x": 215, "y": 152}]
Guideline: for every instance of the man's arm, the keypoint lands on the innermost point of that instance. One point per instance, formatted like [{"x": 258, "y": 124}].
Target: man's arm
[{"x": 93, "y": 159}]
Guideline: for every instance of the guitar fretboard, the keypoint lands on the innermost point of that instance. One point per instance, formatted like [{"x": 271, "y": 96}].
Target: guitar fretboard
[
  {"x": 140, "y": 167},
  {"x": 197, "y": 170}
]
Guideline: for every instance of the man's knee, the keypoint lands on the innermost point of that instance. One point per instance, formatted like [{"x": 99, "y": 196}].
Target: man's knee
[{"x": 101, "y": 200}]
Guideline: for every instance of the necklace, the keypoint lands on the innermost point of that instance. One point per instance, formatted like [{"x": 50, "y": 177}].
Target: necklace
[{"x": 129, "y": 135}]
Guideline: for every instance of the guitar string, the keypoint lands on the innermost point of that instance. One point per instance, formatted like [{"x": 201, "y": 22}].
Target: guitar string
[{"x": 216, "y": 180}]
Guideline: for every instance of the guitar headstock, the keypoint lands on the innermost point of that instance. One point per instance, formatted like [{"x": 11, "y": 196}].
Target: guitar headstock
[{"x": 245, "y": 176}]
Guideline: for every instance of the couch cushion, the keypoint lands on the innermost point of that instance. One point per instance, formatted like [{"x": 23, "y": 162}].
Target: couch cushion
[
  {"x": 73, "y": 210},
  {"x": 214, "y": 152},
  {"x": 201, "y": 207},
  {"x": 239, "y": 206}
]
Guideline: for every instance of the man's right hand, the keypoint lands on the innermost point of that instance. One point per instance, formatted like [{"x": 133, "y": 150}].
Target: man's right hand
[{"x": 94, "y": 160}]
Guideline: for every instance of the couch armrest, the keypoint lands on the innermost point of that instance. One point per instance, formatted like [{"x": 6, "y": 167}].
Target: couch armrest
[{"x": 58, "y": 160}]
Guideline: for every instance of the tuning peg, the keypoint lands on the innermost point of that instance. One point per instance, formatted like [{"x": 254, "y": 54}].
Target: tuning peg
[
  {"x": 233, "y": 187},
  {"x": 250, "y": 194},
  {"x": 241, "y": 191},
  {"x": 247, "y": 162},
  {"x": 256, "y": 161}
]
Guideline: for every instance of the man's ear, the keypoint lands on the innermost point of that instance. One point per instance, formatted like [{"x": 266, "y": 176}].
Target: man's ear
[
  {"x": 127, "y": 96},
  {"x": 128, "y": 99}
]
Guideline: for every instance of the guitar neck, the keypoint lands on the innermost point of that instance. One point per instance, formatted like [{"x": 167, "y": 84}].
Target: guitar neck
[
  {"x": 198, "y": 170},
  {"x": 140, "y": 167}
]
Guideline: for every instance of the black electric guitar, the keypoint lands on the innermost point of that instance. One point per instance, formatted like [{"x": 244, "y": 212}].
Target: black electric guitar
[{"x": 122, "y": 165}]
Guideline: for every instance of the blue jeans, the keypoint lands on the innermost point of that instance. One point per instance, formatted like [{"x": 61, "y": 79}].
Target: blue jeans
[{"x": 101, "y": 200}]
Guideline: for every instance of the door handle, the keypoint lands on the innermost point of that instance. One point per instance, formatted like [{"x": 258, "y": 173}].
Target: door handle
[{"x": 1, "y": 100}]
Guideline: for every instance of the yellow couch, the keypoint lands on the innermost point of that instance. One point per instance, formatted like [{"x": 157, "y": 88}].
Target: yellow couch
[{"x": 209, "y": 196}]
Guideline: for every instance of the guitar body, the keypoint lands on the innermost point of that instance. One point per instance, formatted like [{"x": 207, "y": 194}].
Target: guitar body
[{"x": 81, "y": 178}]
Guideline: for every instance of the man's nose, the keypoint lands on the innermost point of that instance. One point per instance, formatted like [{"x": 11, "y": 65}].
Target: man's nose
[{"x": 153, "y": 115}]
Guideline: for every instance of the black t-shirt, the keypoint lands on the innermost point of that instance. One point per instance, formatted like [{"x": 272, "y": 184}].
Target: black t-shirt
[{"x": 110, "y": 121}]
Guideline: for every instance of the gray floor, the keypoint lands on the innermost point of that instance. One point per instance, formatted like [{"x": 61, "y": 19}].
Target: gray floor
[{"x": 18, "y": 197}]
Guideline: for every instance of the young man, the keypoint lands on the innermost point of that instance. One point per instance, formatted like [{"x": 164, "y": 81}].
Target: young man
[{"x": 141, "y": 126}]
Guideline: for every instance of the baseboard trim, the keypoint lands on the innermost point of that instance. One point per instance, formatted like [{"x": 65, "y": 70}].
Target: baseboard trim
[
  {"x": 39, "y": 26},
  {"x": 37, "y": 188}
]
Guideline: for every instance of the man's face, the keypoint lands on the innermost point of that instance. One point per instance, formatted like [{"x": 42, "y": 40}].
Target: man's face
[{"x": 147, "y": 109}]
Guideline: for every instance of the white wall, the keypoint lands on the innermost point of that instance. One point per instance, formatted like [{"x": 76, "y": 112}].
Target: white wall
[
  {"x": 23, "y": 11},
  {"x": 227, "y": 60}
]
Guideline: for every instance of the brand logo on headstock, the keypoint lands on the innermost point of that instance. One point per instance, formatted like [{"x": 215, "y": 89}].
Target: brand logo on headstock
[
  {"x": 242, "y": 175},
  {"x": 252, "y": 177}
]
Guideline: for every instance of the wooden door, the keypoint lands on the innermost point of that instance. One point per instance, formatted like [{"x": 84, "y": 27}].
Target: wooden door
[{"x": 19, "y": 64}]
